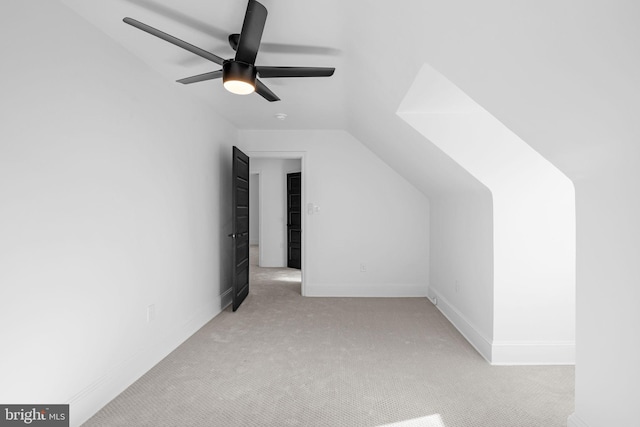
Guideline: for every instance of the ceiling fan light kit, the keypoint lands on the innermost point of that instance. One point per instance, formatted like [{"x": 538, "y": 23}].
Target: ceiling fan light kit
[{"x": 239, "y": 75}]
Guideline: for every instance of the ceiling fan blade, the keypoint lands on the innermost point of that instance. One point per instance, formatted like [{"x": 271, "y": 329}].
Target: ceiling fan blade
[
  {"x": 174, "y": 40},
  {"x": 251, "y": 34},
  {"x": 265, "y": 92},
  {"x": 203, "y": 26},
  {"x": 201, "y": 77},
  {"x": 269, "y": 72},
  {"x": 299, "y": 49}
]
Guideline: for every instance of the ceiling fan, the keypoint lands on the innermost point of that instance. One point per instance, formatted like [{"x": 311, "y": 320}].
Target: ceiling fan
[{"x": 239, "y": 74}]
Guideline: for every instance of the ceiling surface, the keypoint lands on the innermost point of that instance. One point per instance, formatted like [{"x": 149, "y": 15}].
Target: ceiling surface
[
  {"x": 297, "y": 33},
  {"x": 377, "y": 48},
  {"x": 562, "y": 75}
]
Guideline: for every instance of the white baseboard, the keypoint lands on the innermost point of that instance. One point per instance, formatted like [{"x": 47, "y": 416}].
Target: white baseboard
[
  {"x": 468, "y": 330},
  {"x": 575, "y": 421},
  {"x": 93, "y": 397},
  {"x": 506, "y": 352},
  {"x": 533, "y": 353},
  {"x": 366, "y": 290}
]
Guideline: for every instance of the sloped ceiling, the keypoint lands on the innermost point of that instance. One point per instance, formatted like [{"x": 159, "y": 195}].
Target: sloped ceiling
[
  {"x": 561, "y": 75},
  {"x": 313, "y": 31}
]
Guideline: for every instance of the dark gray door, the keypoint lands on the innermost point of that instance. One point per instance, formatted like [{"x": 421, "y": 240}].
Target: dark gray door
[
  {"x": 240, "y": 234},
  {"x": 294, "y": 220}
]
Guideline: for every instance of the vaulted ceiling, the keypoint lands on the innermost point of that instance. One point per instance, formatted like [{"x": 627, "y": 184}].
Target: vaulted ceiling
[
  {"x": 296, "y": 34},
  {"x": 558, "y": 74}
]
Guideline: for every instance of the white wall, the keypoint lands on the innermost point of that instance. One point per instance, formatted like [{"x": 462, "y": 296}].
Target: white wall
[
  {"x": 533, "y": 221},
  {"x": 607, "y": 371},
  {"x": 368, "y": 214},
  {"x": 114, "y": 192},
  {"x": 273, "y": 211},
  {"x": 565, "y": 76},
  {"x": 461, "y": 282}
]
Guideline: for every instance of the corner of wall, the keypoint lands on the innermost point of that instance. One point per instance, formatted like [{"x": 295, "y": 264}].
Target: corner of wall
[
  {"x": 100, "y": 392},
  {"x": 468, "y": 330},
  {"x": 504, "y": 353}
]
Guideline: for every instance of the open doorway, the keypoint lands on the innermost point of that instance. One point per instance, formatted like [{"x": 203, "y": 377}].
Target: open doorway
[{"x": 275, "y": 224}]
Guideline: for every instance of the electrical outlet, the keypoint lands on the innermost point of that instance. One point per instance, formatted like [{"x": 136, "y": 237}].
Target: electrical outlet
[{"x": 363, "y": 267}]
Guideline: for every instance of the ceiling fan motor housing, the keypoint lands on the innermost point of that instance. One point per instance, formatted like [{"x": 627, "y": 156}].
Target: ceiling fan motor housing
[{"x": 239, "y": 71}]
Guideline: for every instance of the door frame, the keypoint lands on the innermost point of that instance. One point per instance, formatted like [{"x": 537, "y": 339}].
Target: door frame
[
  {"x": 259, "y": 190},
  {"x": 297, "y": 155}
]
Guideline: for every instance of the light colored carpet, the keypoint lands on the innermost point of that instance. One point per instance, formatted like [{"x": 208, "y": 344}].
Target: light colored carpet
[{"x": 285, "y": 360}]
